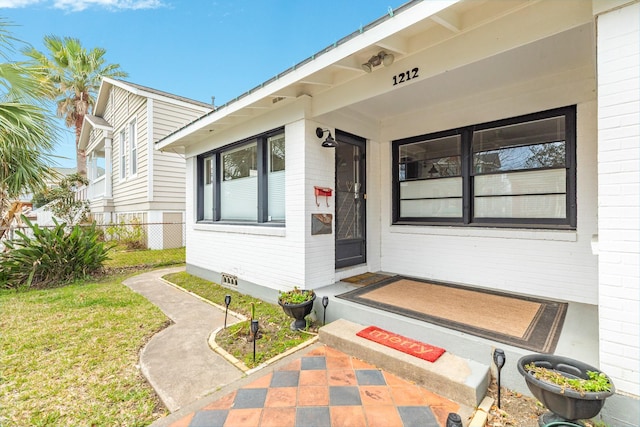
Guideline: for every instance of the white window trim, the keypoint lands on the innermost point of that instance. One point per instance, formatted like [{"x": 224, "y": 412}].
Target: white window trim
[
  {"x": 122, "y": 154},
  {"x": 133, "y": 149}
]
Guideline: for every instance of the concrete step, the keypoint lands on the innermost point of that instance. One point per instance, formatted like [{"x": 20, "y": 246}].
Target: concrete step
[{"x": 462, "y": 380}]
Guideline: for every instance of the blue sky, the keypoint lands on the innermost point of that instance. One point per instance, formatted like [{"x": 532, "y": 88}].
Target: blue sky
[{"x": 194, "y": 48}]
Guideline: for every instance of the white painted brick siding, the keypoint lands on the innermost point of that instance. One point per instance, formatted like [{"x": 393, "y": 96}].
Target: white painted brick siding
[
  {"x": 618, "y": 50},
  {"x": 544, "y": 263},
  {"x": 278, "y": 258}
]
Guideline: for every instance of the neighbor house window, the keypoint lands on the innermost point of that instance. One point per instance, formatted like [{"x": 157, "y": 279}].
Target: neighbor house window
[
  {"x": 244, "y": 181},
  {"x": 133, "y": 148},
  {"x": 123, "y": 154},
  {"x": 513, "y": 172}
]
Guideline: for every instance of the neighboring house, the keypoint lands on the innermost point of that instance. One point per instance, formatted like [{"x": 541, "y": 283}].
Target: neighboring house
[
  {"x": 43, "y": 216},
  {"x": 498, "y": 149},
  {"x": 128, "y": 180}
]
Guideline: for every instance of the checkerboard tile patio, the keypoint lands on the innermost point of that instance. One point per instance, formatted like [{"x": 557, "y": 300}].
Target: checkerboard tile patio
[{"x": 325, "y": 388}]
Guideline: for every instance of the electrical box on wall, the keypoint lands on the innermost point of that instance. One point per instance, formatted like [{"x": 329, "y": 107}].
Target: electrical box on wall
[{"x": 322, "y": 192}]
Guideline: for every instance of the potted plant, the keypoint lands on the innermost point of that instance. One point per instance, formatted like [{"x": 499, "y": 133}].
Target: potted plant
[
  {"x": 570, "y": 389},
  {"x": 297, "y": 303}
]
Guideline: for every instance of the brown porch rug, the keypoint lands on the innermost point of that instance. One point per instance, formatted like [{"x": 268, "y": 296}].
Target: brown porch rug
[
  {"x": 525, "y": 322},
  {"x": 366, "y": 279}
]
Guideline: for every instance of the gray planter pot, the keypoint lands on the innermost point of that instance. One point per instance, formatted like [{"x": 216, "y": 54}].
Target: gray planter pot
[
  {"x": 298, "y": 312},
  {"x": 567, "y": 404}
]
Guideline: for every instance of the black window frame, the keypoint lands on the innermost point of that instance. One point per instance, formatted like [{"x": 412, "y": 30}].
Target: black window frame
[
  {"x": 262, "y": 141},
  {"x": 467, "y": 218}
]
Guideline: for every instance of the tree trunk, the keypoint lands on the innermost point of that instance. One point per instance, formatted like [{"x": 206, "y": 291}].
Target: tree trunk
[
  {"x": 81, "y": 163},
  {"x": 81, "y": 158}
]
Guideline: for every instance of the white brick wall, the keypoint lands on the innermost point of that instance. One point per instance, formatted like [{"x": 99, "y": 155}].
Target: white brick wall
[
  {"x": 618, "y": 50},
  {"x": 274, "y": 257},
  {"x": 544, "y": 263}
]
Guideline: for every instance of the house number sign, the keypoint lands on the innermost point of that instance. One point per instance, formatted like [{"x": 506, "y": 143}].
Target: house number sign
[{"x": 406, "y": 76}]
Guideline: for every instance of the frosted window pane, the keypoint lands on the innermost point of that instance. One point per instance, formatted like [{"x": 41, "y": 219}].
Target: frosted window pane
[
  {"x": 542, "y": 206},
  {"x": 208, "y": 202},
  {"x": 276, "y": 196},
  {"x": 239, "y": 199},
  {"x": 534, "y": 182},
  {"x": 445, "y": 187},
  {"x": 447, "y": 208}
]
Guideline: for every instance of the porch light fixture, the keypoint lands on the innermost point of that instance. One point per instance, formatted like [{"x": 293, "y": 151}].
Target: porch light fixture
[
  {"x": 329, "y": 142},
  {"x": 381, "y": 58}
]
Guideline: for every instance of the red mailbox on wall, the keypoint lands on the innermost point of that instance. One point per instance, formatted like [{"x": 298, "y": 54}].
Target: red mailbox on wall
[{"x": 322, "y": 192}]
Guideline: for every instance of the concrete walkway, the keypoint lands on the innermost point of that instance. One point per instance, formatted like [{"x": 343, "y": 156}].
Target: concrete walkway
[{"x": 177, "y": 361}]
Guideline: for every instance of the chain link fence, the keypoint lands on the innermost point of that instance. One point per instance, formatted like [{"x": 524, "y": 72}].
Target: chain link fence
[{"x": 133, "y": 235}]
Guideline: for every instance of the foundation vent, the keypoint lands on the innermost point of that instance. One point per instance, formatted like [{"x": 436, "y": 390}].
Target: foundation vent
[{"x": 229, "y": 279}]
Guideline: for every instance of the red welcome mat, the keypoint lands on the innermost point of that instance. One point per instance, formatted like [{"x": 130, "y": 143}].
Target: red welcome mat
[{"x": 406, "y": 345}]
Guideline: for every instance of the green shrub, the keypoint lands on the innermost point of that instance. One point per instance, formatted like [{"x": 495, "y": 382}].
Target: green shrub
[
  {"x": 52, "y": 256},
  {"x": 132, "y": 236}
]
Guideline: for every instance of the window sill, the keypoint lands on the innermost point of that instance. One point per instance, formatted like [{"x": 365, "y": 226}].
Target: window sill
[
  {"x": 497, "y": 233},
  {"x": 277, "y": 230}
]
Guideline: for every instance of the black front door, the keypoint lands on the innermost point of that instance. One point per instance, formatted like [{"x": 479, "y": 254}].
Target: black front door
[{"x": 350, "y": 200}]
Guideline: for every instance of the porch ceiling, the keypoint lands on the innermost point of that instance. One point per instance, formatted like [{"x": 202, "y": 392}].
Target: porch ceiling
[
  {"x": 422, "y": 32},
  {"x": 562, "y": 52}
]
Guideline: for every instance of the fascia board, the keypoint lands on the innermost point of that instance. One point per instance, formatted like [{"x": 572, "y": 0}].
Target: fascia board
[{"x": 156, "y": 96}]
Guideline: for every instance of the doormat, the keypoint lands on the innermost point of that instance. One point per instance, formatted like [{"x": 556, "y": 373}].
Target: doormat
[
  {"x": 366, "y": 279},
  {"x": 406, "y": 345},
  {"x": 525, "y": 322}
]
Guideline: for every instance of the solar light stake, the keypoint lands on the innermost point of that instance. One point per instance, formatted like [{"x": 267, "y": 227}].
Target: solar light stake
[
  {"x": 499, "y": 359},
  {"x": 227, "y": 301},
  {"x": 254, "y": 330},
  {"x": 325, "y": 303},
  {"x": 454, "y": 420}
]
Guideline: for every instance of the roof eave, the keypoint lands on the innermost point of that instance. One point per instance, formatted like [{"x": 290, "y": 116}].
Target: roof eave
[{"x": 326, "y": 58}]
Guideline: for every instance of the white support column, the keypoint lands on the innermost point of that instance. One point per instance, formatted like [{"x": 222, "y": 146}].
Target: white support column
[
  {"x": 91, "y": 172},
  {"x": 108, "y": 161},
  {"x": 619, "y": 195}
]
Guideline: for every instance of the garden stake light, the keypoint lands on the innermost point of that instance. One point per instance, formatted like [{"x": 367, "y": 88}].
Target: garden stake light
[
  {"x": 454, "y": 420},
  {"x": 227, "y": 301},
  {"x": 325, "y": 303},
  {"x": 499, "y": 359},
  {"x": 254, "y": 330}
]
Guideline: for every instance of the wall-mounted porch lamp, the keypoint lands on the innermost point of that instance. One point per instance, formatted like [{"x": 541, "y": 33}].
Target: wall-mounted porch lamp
[
  {"x": 329, "y": 142},
  {"x": 381, "y": 58}
]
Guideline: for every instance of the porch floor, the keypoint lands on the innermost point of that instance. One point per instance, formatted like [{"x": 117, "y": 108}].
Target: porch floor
[{"x": 578, "y": 339}]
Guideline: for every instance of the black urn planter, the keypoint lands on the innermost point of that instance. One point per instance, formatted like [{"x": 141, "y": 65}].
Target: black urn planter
[
  {"x": 565, "y": 404},
  {"x": 298, "y": 312}
]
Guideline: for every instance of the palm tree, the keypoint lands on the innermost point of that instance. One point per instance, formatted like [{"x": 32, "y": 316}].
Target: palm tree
[
  {"x": 27, "y": 133},
  {"x": 73, "y": 76}
]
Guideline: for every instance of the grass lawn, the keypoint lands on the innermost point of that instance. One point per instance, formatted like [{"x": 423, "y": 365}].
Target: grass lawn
[
  {"x": 69, "y": 355},
  {"x": 275, "y": 337}
]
